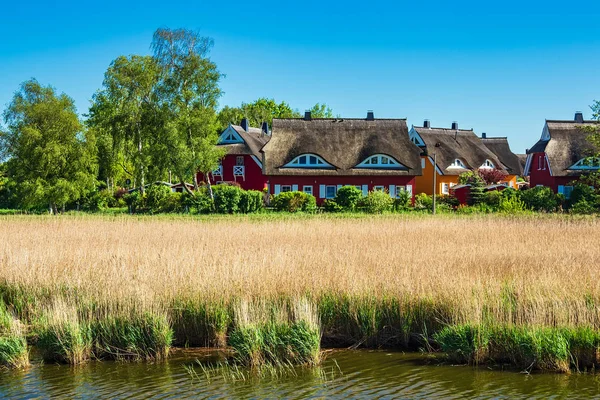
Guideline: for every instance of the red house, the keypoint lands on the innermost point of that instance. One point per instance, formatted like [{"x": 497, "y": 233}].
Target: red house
[
  {"x": 562, "y": 155},
  {"x": 319, "y": 156},
  {"x": 243, "y": 162}
]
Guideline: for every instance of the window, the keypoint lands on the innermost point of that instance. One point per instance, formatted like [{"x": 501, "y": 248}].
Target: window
[
  {"x": 308, "y": 161},
  {"x": 380, "y": 161},
  {"x": 458, "y": 164},
  {"x": 330, "y": 192},
  {"x": 565, "y": 190},
  {"x": 307, "y": 189},
  {"x": 587, "y": 163},
  {"x": 445, "y": 188},
  {"x": 399, "y": 190},
  {"x": 230, "y": 136},
  {"x": 379, "y": 188},
  {"x": 239, "y": 160},
  {"x": 286, "y": 188},
  {"x": 541, "y": 163},
  {"x": 487, "y": 164}
]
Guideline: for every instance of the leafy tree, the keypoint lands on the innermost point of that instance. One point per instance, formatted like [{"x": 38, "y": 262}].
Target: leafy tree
[
  {"x": 126, "y": 119},
  {"x": 492, "y": 175},
  {"x": 473, "y": 179},
  {"x": 321, "y": 111},
  {"x": 187, "y": 93},
  {"x": 49, "y": 152}
]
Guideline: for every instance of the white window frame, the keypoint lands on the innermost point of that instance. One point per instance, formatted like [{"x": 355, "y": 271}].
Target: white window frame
[
  {"x": 380, "y": 188},
  {"x": 488, "y": 164},
  {"x": 284, "y": 187},
  {"x": 400, "y": 189},
  {"x": 309, "y": 191},
  {"x": 308, "y": 160},
  {"x": 380, "y": 161},
  {"x": 327, "y": 187},
  {"x": 445, "y": 188},
  {"x": 457, "y": 163}
]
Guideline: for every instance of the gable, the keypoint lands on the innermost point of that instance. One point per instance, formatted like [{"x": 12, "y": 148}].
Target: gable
[{"x": 230, "y": 136}]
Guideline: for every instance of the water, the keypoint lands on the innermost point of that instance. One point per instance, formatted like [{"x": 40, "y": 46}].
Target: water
[{"x": 344, "y": 374}]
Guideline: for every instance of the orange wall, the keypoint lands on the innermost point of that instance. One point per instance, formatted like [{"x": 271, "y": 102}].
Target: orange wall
[
  {"x": 509, "y": 179},
  {"x": 424, "y": 183}
]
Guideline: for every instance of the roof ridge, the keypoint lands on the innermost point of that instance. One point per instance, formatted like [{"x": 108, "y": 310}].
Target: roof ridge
[
  {"x": 338, "y": 119},
  {"x": 445, "y": 129}
]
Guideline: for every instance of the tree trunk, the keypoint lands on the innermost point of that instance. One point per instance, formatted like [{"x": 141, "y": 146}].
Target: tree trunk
[
  {"x": 210, "y": 191},
  {"x": 196, "y": 182},
  {"x": 186, "y": 188},
  {"x": 141, "y": 166}
]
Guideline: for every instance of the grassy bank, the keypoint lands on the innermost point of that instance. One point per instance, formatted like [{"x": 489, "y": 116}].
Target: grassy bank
[{"x": 129, "y": 287}]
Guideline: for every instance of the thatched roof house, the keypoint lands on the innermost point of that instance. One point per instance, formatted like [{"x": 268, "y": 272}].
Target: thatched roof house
[
  {"x": 499, "y": 146},
  {"x": 244, "y": 139}
]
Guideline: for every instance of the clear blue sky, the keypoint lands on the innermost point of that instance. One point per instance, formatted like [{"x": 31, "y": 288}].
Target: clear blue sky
[{"x": 497, "y": 67}]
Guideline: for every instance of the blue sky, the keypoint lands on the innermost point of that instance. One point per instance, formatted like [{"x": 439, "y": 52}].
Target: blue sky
[{"x": 500, "y": 68}]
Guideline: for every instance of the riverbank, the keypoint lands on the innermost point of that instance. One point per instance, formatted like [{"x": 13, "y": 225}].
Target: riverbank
[{"x": 128, "y": 288}]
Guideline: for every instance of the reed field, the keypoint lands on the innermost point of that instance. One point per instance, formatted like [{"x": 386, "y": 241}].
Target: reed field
[{"x": 478, "y": 287}]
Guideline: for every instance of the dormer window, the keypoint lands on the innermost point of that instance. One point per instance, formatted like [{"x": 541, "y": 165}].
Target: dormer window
[
  {"x": 487, "y": 164},
  {"x": 308, "y": 161},
  {"x": 457, "y": 164},
  {"x": 381, "y": 161},
  {"x": 230, "y": 136},
  {"x": 587, "y": 163}
]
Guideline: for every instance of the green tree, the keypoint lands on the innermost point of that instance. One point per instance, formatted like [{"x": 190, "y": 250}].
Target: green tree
[
  {"x": 188, "y": 93},
  {"x": 321, "y": 111},
  {"x": 126, "y": 119},
  {"x": 49, "y": 153}
]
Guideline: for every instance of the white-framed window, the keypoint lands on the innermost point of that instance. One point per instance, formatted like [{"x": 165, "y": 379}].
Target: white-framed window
[
  {"x": 330, "y": 192},
  {"x": 379, "y": 188},
  {"x": 308, "y": 189},
  {"x": 457, "y": 163},
  {"x": 487, "y": 164},
  {"x": 587, "y": 163},
  {"x": 380, "y": 161},
  {"x": 286, "y": 188},
  {"x": 239, "y": 160},
  {"x": 308, "y": 161},
  {"x": 541, "y": 163},
  {"x": 445, "y": 188},
  {"x": 230, "y": 136},
  {"x": 399, "y": 190}
]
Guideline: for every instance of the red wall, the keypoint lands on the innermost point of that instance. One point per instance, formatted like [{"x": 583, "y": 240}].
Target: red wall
[
  {"x": 540, "y": 176},
  {"x": 315, "y": 181},
  {"x": 253, "y": 179}
]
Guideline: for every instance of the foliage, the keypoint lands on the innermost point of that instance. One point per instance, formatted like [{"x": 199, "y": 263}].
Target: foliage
[
  {"x": 377, "y": 202},
  {"x": 510, "y": 202},
  {"x": 330, "y": 205},
  {"x": 492, "y": 175},
  {"x": 347, "y": 197},
  {"x": 583, "y": 207},
  {"x": 582, "y": 193},
  {"x": 227, "y": 198},
  {"x": 157, "y": 197},
  {"x": 423, "y": 202},
  {"x": 402, "y": 201},
  {"x": 492, "y": 198},
  {"x": 294, "y": 202},
  {"x": 98, "y": 200},
  {"x": 251, "y": 201},
  {"x": 49, "y": 152},
  {"x": 136, "y": 201},
  {"x": 540, "y": 198},
  {"x": 200, "y": 202}
]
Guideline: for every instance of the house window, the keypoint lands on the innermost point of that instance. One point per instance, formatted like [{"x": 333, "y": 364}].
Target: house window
[
  {"x": 379, "y": 188},
  {"x": 400, "y": 189},
  {"x": 487, "y": 164},
  {"x": 457, "y": 163},
  {"x": 380, "y": 161},
  {"x": 445, "y": 188},
  {"x": 330, "y": 192},
  {"x": 587, "y": 163},
  {"x": 239, "y": 160},
  {"x": 308, "y": 161},
  {"x": 541, "y": 162},
  {"x": 307, "y": 189},
  {"x": 286, "y": 188},
  {"x": 567, "y": 190}
]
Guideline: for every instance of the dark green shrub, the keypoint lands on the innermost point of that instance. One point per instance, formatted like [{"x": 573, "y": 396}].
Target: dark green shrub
[
  {"x": 172, "y": 203},
  {"x": 583, "y": 207},
  {"x": 199, "y": 202},
  {"x": 347, "y": 197},
  {"x": 227, "y": 198},
  {"x": 583, "y": 194},
  {"x": 492, "y": 198},
  {"x": 157, "y": 197},
  {"x": 332, "y": 206},
  {"x": 446, "y": 200},
  {"x": 136, "y": 201},
  {"x": 423, "y": 202},
  {"x": 98, "y": 200},
  {"x": 377, "y": 202},
  {"x": 540, "y": 198},
  {"x": 294, "y": 201},
  {"x": 402, "y": 201},
  {"x": 251, "y": 201}
]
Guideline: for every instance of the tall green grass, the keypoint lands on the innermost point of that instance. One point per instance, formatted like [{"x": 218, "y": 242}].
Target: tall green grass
[{"x": 13, "y": 345}]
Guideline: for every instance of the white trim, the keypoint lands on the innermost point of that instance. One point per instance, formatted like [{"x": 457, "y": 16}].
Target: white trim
[
  {"x": 487, "y": 164},
  {"x": 548, "y": 164},
  {"x": 308, "y": 160},
  {"x": 257, "y": 161},
  {"x": 438, "y": 170},
  {"x": 308, "y": 187},
  {"x": 230, "y": 136},
  {"x": 409, "y": 189},
  {"x": 458, "y": 164},
  {"x": 380, "y": 161},
  {"x": 526, "y": 171}
]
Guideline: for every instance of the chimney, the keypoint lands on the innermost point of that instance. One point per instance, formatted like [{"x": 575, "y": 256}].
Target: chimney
[
  {"x": 484, "y": 135},
  {"x": 427, "y": 124},
  {"x": 455, "y": 125},
  {"x": 245, "y": 124},
  {"x": 370, "y": 115},
  {"x": 307, "y": 116},
  {"x": 579, "y": 117},
  {"x": 265, "y": 128}
]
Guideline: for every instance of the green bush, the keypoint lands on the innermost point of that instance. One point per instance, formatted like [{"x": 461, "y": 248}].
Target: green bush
[
  {"x": 98, "y": 200},
  {"x": 583, "y": 207},
  {"x": 492, "y": 198},
  {"x": 511, "y": 204},
  {"x": 136, "y": 201},
  {"x": 450, "y": 201},
  {"x": 540, "y": 198},
  {"x": 294, "y": 201},
  {"x": 423, "y": 202},
  {"x": 347, "y": 197},
  {"x": 585, "y": 196},
  {"x": 251, "y": 201},
  {"x": 200, "y": 202},
  {"x": 157, "y": 197},
  {"x": 332, "y": 206},
  {"x": 402, "y": 202},
  {"x": 377, "y": 202},
  {"x": 227, "y": 198}
]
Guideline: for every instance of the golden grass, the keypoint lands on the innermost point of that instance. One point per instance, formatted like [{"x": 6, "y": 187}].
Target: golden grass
[{"x": 523, "y": 270}]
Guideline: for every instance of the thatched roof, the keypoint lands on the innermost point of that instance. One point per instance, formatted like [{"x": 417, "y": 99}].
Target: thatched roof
[
  {"x": 565, "y": 143},
  {"x": 499, "y": 146},
  {"x": 452, "y": 144},
  {"x": 254, "y": 140},
  {"x": 343, "y": 143},
  {"x": 522, "y": 160}
]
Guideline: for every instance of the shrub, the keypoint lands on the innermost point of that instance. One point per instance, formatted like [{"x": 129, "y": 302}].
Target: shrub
[
  {"x": 332, "y": 206},
  {"x": 492, "y": 198},
  {"x": 446, "y": 200},
  {"x": 402, "y": 202},
  {"x": 347, "y": 197},
  {"x": 97, "y": 201},
  {"x": 157, "y": 197},
  {"x": 377, "y": 202},
  {"x": 510, "y": 204},
  {"x": 136, "y": 201},
  {"x": 491, "y": 175},
  {"x": 172, "y": 203},
  {"x": 227, "y": 198},
  {"x": 251, "y": 201},
  {"x": 423, "y": 202},
  {"x": 294, "y": 201},
  {"x": 583, "y": 194},
  {"x": 200, "y": 202},
  {"x": 583, "y": 207},
  {"x": 540, "y": 198}
]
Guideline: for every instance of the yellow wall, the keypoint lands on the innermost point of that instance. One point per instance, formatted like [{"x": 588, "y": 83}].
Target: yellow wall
[
  {"x": 509, "y": 179},
  {"x": 424, "y": 183}
]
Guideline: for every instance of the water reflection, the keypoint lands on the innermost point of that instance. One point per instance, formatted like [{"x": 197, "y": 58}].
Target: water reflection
[{"x": 364, "y": 374}]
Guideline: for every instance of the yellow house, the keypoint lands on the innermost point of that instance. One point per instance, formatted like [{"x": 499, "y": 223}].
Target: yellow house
[{"x": 454, "y": 150}]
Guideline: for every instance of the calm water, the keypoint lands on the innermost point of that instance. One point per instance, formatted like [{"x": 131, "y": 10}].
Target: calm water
[{"x": 345, "y": 374}]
